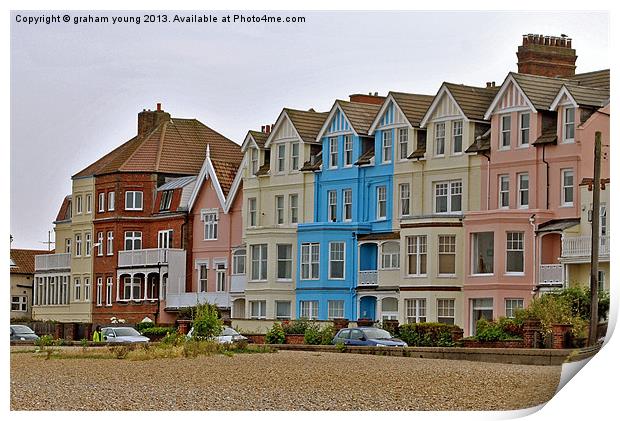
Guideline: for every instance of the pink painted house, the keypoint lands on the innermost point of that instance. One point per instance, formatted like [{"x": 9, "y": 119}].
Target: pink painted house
[
  {"x": 218, "y": 257},
  {"x": 538, "y": 151}
]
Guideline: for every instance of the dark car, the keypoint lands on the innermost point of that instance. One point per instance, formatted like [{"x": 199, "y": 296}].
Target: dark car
[
  {"x": 366, "y": 336},
  {"x": 22, "y": 333}
]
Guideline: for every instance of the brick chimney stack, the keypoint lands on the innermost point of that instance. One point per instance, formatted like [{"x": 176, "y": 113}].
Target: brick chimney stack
[
  {"x": 367, "y": 99},
  {"x": 149, "y": 120},
  {"x": 544, "y": 55}
]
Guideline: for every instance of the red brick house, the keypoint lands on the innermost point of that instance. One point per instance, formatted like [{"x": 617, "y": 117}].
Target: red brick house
[{"x": 142, "y": 235}]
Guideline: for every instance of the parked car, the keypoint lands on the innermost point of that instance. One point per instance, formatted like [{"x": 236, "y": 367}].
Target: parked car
[
  {"x": 22, "y": 333},
  {"x": 228, "y": 335},
  {"x": 122, "y": 334},
  {"x": 367, "y": 336}
]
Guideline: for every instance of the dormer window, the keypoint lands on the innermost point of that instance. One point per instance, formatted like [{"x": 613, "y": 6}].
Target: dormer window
[
  {"x": 254, "y": 160},
  {"x": 295, "y": 156},
  {"x": 569, "y": 125},
  {"x": 209, "y": 218},
  {"x": 333, "y": 152},
  {"x": 524, "y": 129},
  {"x": 504, "y": 140},
  {"x": 387, "y": 146},
  {"x": 440, "y": 139},
  {"x": 166, "y": 200},
  {"x": 281, "y": 157},
  {"x": 348, "y": 151}
]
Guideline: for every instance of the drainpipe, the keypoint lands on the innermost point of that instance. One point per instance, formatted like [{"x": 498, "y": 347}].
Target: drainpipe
[
  {"x": 488, "y": 157},
  {"x": 532, "y": 220},
  {"x": 546, "y": 177}
]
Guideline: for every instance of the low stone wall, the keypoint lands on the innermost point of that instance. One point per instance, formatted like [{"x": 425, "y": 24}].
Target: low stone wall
[
  {"x": 472, "y": 343},
  {"x": 522, "y": 356},
  {"x": 261, "y": 326}
]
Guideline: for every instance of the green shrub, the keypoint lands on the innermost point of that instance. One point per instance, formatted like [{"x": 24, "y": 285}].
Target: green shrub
[
  {"x": 140, "y": 327},
  {"x": 207, "y": 323},
  {"x": 426, "y": 334},
  {"x": 173, "y": 338},
  {"x": 556, "y": 308},
  {"x": 158, "y": 331},
  {"x": 275, "y": 335},
  {"x": 314, "y": 335},
  {"x": 43, "y": 341},
  {"x": 488, "y": 331},
  {"x": 296, "y": 327},
  {"x": 341, "y": 347}
]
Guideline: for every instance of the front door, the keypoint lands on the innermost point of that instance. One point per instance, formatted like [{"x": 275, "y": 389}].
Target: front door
[{"x": 368, "y": 308}]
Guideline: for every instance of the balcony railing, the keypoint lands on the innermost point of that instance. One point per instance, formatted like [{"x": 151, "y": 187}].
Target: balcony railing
[
  {"x": 550, "y": 275},
  {"x": 57, "y": 261},
  {"x": 146, "y": 257},
  {"x": 238, "y": 283},
  {"x": 368, "y": 277},
  {"x": 190, "y": 299},
  {"x": 582, "y": 246}
]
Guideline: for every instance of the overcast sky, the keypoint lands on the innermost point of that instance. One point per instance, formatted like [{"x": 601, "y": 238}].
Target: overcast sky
[{"x": 76, "y": 89}]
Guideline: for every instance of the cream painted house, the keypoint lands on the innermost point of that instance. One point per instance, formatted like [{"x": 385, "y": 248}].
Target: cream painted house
[
  {"x": 277, "y": 196},
  {"x": 444, "y": 182}
]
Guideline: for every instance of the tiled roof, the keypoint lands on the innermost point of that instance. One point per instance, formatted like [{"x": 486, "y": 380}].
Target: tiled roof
[
  {"x": 414, "y": 106},
  {"x": 546, "y": 137},
  {"x": 259, "y": 137},
  {"x": 226, "y": 172},
  {"x": 312, "y": 167},
  {"x": 307, "y": 123},
  {"x": 540, "y": 90},
  {"x": 481, "y": 144},
  {"x": 585, "y": 95},
  {"x": 359, "y": 114},
  {"x": 366, "y": 157},
  {"x": 24, "y": 260},
  {"x": 263, "y": 169},
  {"x": 598, "y": 79},
  {"x": 176, "y": 146},
  {"x": 64, "y": 213},
  {"x": 473, "y": 100}
]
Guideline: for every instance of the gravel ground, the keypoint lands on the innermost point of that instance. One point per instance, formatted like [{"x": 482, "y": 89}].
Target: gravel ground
[{"x": 287, "y": 380}]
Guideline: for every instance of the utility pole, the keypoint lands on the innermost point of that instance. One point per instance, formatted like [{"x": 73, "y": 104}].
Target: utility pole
[{"x": 596, "y": 204}]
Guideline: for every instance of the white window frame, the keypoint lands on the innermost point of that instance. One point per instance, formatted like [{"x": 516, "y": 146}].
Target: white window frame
[
  {"x": 110, "y": 243},
  {"x": 566, "y": 123},
  {"x": 100, "y": 243},
  {"x": 261, "y": 261},
  {"x": 132, "y": 205},
  {"x": 164, "y": 239},
  {"x": 252, "y": 212},
  {"x": 382, "y": 203},
  {"x": 332, "y": 206},
  {"x": 504, "y": 132},
  {"x": 68, "y": 245},
  {"x": 110, "y": 201},
  {"x": 445, "y": 310},
  {"x": 78, "y": 205},
  {"x": 446, "y": 245},
  {"x": 210, "y": 220},
  {"x": 280, "y": 159},
  {"x": 450, "y": 189},
  {"x": 166, "y": 200},
  {"x": 335, "y": 309},
  {"x": 337, "y": 256},
  {"x": 348, "y": 150},
  {"x": 77, "y": 289},
  {"x": 347, "y": 205},
  {"x": 284, "y": 260},
  {"x": 403, "y": 143},
  {"x": 387, "y": 146},
  {"x": 294, "y": 156},
  {"x": 309, "y": 309},
  {"x": 78, "y": 245},
  {"x": 563, "y": 173},
  {"x": 133, "y": 237},
  {"x": 254, "y": 161},
  {"x": 87, "y": 289},
  {"x": 415, "y": 310},
  {"x": 511, "y": 305},
  {"x": 261, "y": 307},
  {"x": 239, "y": 259},
  {"x": 109, "y": 292},
  {"x": 333, "y": 152},
  {"x": 279, "y": 207},
  {"x": 404, "y": 192},
  {"x": 474, "y": 255},
  {"x": 283, "y": 316},
  {"x": 220, "y": 277},
  {"x": 89, "y": 203},
  {"x": 440, "y": 139},
  {"x": 524, "y": 132},
  {"x": 457, "y": 131},
  {"x": 417, "y": 245},
  {"x": 99, "y": 297},
  {"x": 310, "y": 261},
  {"x": 503, "y": 194},
  {"x": 101, "y": 202},
  {"x": 203, "y": 276},
  {"x": 523, "y": 192},
  {"x": 293, "y": 203},
  {"x": 515, "y": 243},
  {"x": 88, "y": 242},
  {"x": 21, "y": 301},
  {"x": 390, "y": 259}
]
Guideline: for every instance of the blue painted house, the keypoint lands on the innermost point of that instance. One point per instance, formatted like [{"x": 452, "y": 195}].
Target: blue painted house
[{"x": 353, "y": 197}]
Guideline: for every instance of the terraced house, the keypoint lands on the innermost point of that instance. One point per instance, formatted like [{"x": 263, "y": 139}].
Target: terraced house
[
  {"x": 353, "y": 199},
  {"x": 528, "y": 231},
  {"x": 277, "y": 196},
  {"x": 445, "y": 181}
]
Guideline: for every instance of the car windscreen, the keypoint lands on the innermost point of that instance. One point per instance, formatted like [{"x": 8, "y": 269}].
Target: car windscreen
[
  {"x": 228, "y": 331},
  {"x": 21, "y": 329},
  {"x": 126, "y": 331},
  {"x": 377, "y": 334}
]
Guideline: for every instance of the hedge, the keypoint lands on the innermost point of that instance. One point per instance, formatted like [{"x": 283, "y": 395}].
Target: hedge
[{"x": 426, "y": 334}]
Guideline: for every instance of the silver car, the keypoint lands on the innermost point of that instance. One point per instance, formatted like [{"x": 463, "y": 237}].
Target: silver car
[
  {"x": 122, "y": 334},
  {"x": 228, "y": 335}
]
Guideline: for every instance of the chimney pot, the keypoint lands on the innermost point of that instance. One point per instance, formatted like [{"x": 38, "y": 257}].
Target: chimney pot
[
  {"x": 539, "y": 55},
  {"x": 159, "y": 106}
]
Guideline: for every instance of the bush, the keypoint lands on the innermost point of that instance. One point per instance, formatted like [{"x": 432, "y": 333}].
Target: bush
[
  {"x": 140, "y": 327},
  {"x": 43, "y": 341},
  {"x": 314, "y": 335},
  {"x": 158, "y": 331},
  {"x": 426, "y": 334},
  {"x": 207, "y": 323},
  {"x": 489, "y": 331},
  {"x": 295, "y": 327},
  {"x": 173, "y": 338},
  {"x": 275, "y": 335}
]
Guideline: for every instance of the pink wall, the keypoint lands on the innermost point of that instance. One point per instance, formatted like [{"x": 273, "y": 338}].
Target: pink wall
[{"x": 229, "y": 234}]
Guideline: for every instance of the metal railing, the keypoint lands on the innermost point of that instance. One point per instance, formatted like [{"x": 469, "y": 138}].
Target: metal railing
[
  {"x": 145, "y": 257},
  {"x": 44, "y": 262},
  {"x": 550, "y": 275},
  {"x": 368, "y": 277},
  {"x": 190, "y": 299},
  {"x": 238, "y": 283},
  {"x": 582, "y": 246}
]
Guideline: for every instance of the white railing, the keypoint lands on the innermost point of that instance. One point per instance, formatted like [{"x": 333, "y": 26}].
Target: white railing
[
  {"x": 146, "y": 257},
  {"x": 582, "y": 246},
  {"x": 368, "y": 277},
  {"x": 550, "y": 275},
  {"x": 190, "y": 299},
  {"x": 238, "y": 283},
  {"x": 45, "y": 262}
]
